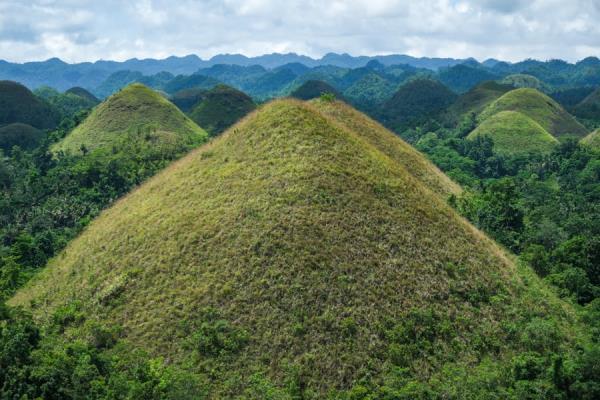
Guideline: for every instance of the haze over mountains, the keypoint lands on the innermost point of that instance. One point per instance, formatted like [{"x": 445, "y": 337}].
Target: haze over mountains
[{"x": 91, "y": 75}]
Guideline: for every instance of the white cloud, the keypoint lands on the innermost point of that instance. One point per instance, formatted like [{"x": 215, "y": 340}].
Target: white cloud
[{"x": 83, "y": 30}]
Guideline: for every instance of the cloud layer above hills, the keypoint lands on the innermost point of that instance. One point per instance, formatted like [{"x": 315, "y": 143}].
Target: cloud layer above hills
[{"x": 85, "y": 30}]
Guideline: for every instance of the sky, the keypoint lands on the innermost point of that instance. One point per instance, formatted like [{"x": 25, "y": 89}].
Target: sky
[{"x": 88, "y": 30}]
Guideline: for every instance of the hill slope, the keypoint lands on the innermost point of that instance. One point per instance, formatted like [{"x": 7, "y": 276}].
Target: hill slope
[
  {"x": 515, "y": 133},
  {"x": 479, "y": 97},
  {"x": 589, "y": 108},
  {"x": 592, "y": 140},
  {"x": 221, "y": 107},
  {"x": 390, "y": 144},
  {"x": 18, "y": 104},
  {"x": 290, "y": 254},
  {"x": 539, "y": 107},
  {"x": 134, "y": 112}
]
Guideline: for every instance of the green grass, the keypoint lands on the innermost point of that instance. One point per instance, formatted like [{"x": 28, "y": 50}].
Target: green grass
[
  {"x": 18, "y": 104},
  {"x": 135, "y": 111},
  {"x": 539, "y": 107},
  {"x": 514, "y": 133},
  {"x": 476, "y": 99},
  {"x": 389, "y": 144},
  {"x": 220, "y": 108},
  {"x": 292, "y": 251},
  {"x": 592, "y": 140}
]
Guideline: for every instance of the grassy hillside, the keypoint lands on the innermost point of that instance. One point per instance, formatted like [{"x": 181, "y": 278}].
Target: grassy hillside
[
  {"x": 539, "y": 107},
  {"x": 479, "y": 97},
  {"x": 312, "y": 89},
  {"x": 416, "y": 102},
  {"x": 220, "y": 108},
  {"x": 136, "y": 113},
  {"x": 25, "y": 136},
  {"x": 390, "y": 144},
  {"x": 18, "y": 104},
  {"x": 291, "y": 258},
  {"x": 515, "y": 133},
  {"x": 592, "y": 140}
]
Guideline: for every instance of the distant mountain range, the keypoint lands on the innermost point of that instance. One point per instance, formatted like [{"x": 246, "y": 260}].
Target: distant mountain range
[{"x": 61, "y": 75}]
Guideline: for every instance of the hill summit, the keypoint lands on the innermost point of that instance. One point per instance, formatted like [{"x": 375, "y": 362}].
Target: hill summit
[
  {"x": 134, "y": 113},
  {"x": 19, "y": 105},
  {"x": 416, "y": 102},
  {"x": 294, "y": 255},
  {"x": 540, "y": 108},
  {"x": 515, "y": 133}
]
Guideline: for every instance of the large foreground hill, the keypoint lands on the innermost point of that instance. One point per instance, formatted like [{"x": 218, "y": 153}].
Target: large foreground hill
[{"x": 294, "y": 254}]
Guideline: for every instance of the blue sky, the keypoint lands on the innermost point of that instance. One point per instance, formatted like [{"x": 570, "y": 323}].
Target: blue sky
[{"x": 86, "y": 30}]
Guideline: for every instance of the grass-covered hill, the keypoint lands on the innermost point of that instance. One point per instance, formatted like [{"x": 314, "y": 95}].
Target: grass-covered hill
[
  {"x": 540, "y": 108},
  {"x": 592, "y": 140},
  {"x": 83, "y": 93},
  {"x": 136, "y": 113},
  {"x": 221, "y": 107},
  {"x": 589, "y": 108},
  {"x": 479, "y": 97},
  {"x": 416, "y": 102},
  {"x": 17, "y": 134},
  {"x": 19, "y": 104},
  {"x": 292, "y": 258},
  {"x": 514, "y": 133},
  {"x": 312, "y": 89}
]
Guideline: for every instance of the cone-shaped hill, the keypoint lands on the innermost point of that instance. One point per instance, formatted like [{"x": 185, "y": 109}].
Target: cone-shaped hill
[
  {"x": 312, "y": 89},
  {"x": 19, "y": 104},
  {"x": 479, "y": 97},
  {"x": 589, "y": 108},
  {"x": 592, "y": 140},
  {"x": 221, "y": 107},
  {"x": 84, "y": 94},
  {"x": 415, "y": 102},
  {"x": 22, "y": 135},
  {"x": 540, "y": 108},
  {"x": 290, "y": 252},
  {"x": 515, "y": 133},
  {"x": 134, "y": 113}
]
